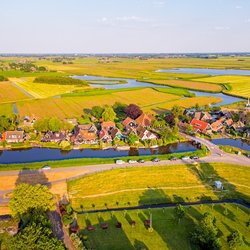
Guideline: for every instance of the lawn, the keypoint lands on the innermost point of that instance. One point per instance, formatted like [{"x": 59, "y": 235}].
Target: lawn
[
  {"x": 238, "y": 85},
  {"x": 6, "y": 109},
  {"x": 10, "y": 93},
  {"x": 147, "y": 185},
  {"x": 43, "y": 90},
  {"x": 167, "y": 232}
]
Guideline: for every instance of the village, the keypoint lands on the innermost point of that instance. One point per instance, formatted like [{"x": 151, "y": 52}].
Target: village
[{"x": 129, "y": 126}]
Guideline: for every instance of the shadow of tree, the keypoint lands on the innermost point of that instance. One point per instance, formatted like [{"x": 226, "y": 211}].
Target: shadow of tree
[
  {"x": 154, "y": 196},
  {"x": 32, "y": 177},
  {"x": 139, "y": 245}
]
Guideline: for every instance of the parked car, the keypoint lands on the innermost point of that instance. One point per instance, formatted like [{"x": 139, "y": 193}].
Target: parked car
[
  {"x": 46, "y": 167},
  {"x": 156, "y": 160},
  {"x": 119, "y": 162},
  {"x": 141, "y": 161},
  {"x": 132, "y": 161},
  {"x": 173, "y": 159},
  {"x": 185, "y": 157},
  {"x": 194, "y": 157}
]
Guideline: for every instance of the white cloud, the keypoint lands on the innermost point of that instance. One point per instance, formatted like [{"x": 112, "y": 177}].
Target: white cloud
[
  {"x": 248, "y": 20},
  {"x": 238, "y": 7},
  {"x": 132, "y": 19}
]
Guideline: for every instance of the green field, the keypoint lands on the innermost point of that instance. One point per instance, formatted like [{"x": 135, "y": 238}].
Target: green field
[
  {"x": 147, "y": 185},
  {"x": 167, "y": 233}
]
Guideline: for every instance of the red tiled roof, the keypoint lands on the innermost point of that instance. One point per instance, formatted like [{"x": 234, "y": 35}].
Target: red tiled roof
[
  {"x": 199, "y": 125},
  {"x": 144, "y": 120}
]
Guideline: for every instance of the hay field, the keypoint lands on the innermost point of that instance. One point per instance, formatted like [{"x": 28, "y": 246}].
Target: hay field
[
  {"x": 240, "y": 85},
  {"x": 73, "y": 106},
  {"x": 10, "y": 93},
  {"x": 191, "y": 85},
  {"x": 41, "y": 90}
]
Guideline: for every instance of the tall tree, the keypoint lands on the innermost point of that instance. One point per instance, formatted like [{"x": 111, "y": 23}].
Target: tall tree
[
  {"x": 108, "y": 114},
  {"x": 36, "y": 233},
  {"x": 133, "y": 111},
  {"x": 206, "y": 233},
  {"x": 235, "y": 239},
  {"x": 179, "y": 212},
  {"x": 97, "y": 111},
  {"x": 26, "y": 197}
]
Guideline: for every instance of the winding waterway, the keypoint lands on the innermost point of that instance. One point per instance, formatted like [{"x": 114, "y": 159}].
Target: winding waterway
[{"x": 131, "y": 83}]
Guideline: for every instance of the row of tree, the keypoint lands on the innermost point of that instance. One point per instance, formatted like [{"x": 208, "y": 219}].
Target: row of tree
[{"x": 59, "y": 80}]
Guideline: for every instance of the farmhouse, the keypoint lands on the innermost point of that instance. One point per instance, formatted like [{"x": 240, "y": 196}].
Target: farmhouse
[
  {"x": 105, "y": 136},
  {"x": 108, "y": 125},
  {"x": 144, "y": 120},
  {"x": 129, "y": 124},
  {"x": 200, "y": 126},
  {"x": 14, "y": 136},
  {"x": 144, "y": 134},
  {"x": 84, "y": 134},
  {"x": 54, "y": 137},
  {"x": 217, "y": 126}
]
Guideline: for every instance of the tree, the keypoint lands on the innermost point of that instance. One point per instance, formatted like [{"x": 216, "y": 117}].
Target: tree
[
  {"x": 42, "y": 125},
  {"x": 97, "y": 111},
  {"x": 176, "y": 111},
  {"x": 26, "y": 197},
  {"x": 133, "y": 111},
  {"x": 170, "y": 119},
  {"x": 179, "y": 212},
  {"x": 55, "y": 125},
  {"x": 5, "y": 123},
  {"x": 206, "y": 233},
  {"x": 132, "y": 139},
  {"x": 36, "y": 233},
  {"x": 108, "y": 114},
  {"x": 235, "y": 239},
  {"x": 119, "y": 109},
  {"x": 189, "y": 129}
]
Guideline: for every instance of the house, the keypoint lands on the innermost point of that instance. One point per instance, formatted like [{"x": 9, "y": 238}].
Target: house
[
  {"x": 228, "y": 122},
  {"x": 144, "y": 134},
  {"x": 238, "y": 126},
  {"x": 205, "y": 116},
  {"x": 108, "y": 125},
  {"x": 129, "y": 124},
  {"x": 86, "y": 133},
  {"x": 218, "y": 185},
  {"x": 14, "y": 136},
  {"x": 200, "y": 126},
  {"x": 104, "y": 136},
  {"x": 116, "y": 134},
  {"x": 144, "y": 120},
  {"x": 217, "y": 126},
  {"x": 54, "y": 137}
]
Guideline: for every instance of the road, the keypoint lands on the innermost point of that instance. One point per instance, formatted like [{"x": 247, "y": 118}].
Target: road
[{"x": 216, "y": 156}]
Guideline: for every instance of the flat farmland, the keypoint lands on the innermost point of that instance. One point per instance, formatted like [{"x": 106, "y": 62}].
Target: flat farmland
[
  {"x": 240, "y": 85},
  {"x": 152, "y": 185},
  {"x": 137, "y": 186},
  {"x": 204, "y": 86},
  {"x": 43, "y": 90},
  {"x": 10, "y": 93},
  {"x": 184, "y": 103},
  {"x": 73, "y": 106}
]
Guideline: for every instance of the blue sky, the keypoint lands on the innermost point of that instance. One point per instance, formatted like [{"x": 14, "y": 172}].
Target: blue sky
[{"x": 106, "y": 26}]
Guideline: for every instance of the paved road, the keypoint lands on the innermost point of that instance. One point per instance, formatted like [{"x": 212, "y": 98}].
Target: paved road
[{"x": 216, "y": 156}]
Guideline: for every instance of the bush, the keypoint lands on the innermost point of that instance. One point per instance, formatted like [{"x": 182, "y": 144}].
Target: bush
[{"x": 59, "y": 80}]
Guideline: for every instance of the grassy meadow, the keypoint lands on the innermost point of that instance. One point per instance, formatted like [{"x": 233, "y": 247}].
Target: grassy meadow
[
  {"x": 167, "y": 233},
  {"x": 147, "y": 185}
]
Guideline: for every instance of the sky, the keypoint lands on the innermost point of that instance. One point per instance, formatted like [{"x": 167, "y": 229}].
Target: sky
[{"x": 124, "y": 26}]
